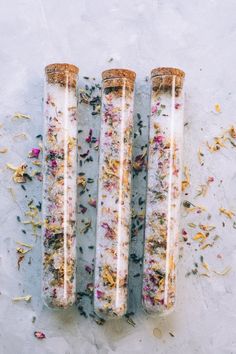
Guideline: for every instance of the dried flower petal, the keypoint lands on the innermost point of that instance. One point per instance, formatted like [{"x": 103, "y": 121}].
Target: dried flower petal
[
  {"x": 186, "y": 181},
  {"x": 217, "y": 108},
  {"x": 3, "y": 150},
  {"x": 92, "y": 202},
  {"x": 26, "y": 298},
  {"x": 224, "y": 272},
  {"x": 21, "y": 116},
  {"x": 39, "y": 335},
  {"x": 199, "y": 237},
  {"x": 226, "y": 212},
  {"x": 232, "y": 132},
  {"x": 34, "y": 153},
  {"x": 20, "y": 173},
  {"x": 81, "y": 181},
  {"x": 207, "y": 228}
]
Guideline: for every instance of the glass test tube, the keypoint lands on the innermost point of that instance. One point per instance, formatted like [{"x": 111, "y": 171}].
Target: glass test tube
[
  {"x": 59, "y": 185},
  {"x": 163, "y": 190},
  {"x": 114, "y": 194}
]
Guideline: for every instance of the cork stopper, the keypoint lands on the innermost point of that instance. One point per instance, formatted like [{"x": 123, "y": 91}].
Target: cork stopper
[
  {"x": 165, "y": 79},
  {"x": 62, "y": 74},
  {"x": 167, "y": 71},
  {"x": 114, "y": 78},
  {"x": 119, "y": 73}
]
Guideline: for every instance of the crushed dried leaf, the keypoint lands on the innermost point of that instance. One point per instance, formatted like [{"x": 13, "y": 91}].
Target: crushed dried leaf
[
  {"x": 200, "y": 157},
  {"x": 24, "y": 244},
  {"x": 206, "y": 246},
  {"x": 21, "y": 116}
]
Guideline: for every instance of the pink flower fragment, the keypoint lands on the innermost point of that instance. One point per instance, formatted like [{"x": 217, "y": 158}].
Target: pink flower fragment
[
  {"x": 89, "y": 138},
  {"x": 34, "y": 153},
  {"x": 158, "y": 139},
  {"x": 53, "y": 163},
  {"x": 100, "y": 294},
  {"x": 39, "y": 335},
  {"x": 92, "y": 202}
]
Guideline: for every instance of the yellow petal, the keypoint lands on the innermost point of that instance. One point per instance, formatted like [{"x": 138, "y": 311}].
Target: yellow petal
[
  {"x": 227, "y": 213},
  {"x": 217, "y": 108},
  {"x": 199, "y": 236}
]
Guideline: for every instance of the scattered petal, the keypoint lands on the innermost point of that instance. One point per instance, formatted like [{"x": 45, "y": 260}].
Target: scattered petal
[
  {"x": 39, "y": 335},
  {"x": 21, "y": 116},
  {"x": 199, "y": 237},
  {"x": 224, "y": 272},
  {"x": 26, "y": 298},
  {"x": 186, "y": 181},
  {"x": 20, "y": 173},
  {"x": 3, "y": 150},
  {"x": 217, "y": 108},
  {"x": 232, "y": 132},
  {"x": 92, "y": 202},
  {"x": 207, "y": 228},
  {"x": 34, "y": 153},
  {"x": 227, "y": 213}
]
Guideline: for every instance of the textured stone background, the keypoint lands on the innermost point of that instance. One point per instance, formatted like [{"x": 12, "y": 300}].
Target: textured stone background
[{"x": 197, "y": 36}]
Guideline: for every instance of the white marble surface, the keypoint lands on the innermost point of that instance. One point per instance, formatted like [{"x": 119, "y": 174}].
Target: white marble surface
[{"x": 197, "y": 36}]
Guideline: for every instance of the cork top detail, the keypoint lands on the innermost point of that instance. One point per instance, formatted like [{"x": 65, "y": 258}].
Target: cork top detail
[
  {"x": 57, "y": 68},
  {"x": 119, "y": 73},
  {"x": 167, "y": 71},
  {"x": 64, "y": 75}
]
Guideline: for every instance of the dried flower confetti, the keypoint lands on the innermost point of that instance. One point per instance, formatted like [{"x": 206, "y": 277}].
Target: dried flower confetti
[
  {"x": 3, "y": 150},
  {"x": 186, "y": 181},
  {"x": 199, "y": 237},
  {"x": 20, "y": 173},
  {"x": 34, "y": 153},
  {"x": 217, "y": 108},
  {"x": 229, "y": 213},
  {"x": 207, "y": 228},
  {"x": 224, "y": 272},
  {"x": 92, "y": 202},
  {"x": 232, "y": 132},
  {"x": 39, "y": 335},
  {"x": 26, "y": 298},
  {"x": 21, "y": 116}
]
